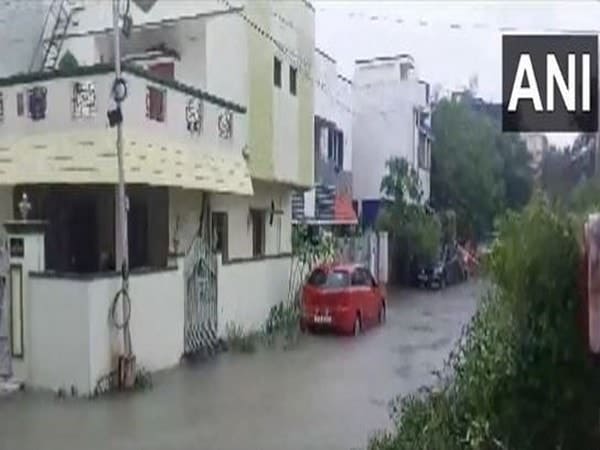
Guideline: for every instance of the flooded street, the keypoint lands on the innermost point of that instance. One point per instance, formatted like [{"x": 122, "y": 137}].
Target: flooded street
[{"x": 328, "y": 393}]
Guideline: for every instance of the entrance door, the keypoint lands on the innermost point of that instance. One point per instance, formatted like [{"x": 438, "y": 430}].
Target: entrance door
[{"x": 83, "y": 233}]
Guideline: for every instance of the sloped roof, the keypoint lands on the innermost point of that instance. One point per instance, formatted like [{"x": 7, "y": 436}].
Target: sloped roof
[{"x": 343, "y": 210}]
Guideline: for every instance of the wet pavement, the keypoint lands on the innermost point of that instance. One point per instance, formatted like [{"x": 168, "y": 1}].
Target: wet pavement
[{"x": 327, "y": 393}]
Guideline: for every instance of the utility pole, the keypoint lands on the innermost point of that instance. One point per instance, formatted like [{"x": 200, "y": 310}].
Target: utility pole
[{"x": 122, "y": 208}]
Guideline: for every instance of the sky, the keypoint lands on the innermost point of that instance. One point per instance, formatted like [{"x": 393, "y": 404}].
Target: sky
[{"x": 451, "y": 41}]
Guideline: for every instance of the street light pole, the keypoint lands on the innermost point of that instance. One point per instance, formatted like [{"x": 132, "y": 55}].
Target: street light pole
[{"x": 122, "y": 208}]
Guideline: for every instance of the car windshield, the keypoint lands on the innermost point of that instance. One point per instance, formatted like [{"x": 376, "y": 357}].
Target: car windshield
[{"x": 329, "y": 280}]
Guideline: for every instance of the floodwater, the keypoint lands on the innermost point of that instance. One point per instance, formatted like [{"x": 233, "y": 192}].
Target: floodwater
[{"x": 327, "y": 393}]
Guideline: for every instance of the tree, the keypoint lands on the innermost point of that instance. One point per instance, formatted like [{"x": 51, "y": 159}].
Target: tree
[
  {"x": 68, "y": 62},
  {"x": 414, "y": 232},
  {"x": 554, "y": 168},
  {"x": 477, "y": 170}
]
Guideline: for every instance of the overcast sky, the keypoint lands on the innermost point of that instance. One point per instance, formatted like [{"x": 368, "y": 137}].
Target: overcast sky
[{"x": 450, "y": 40}]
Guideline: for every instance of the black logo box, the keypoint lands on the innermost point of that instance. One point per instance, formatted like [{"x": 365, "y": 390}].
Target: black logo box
[{"x": 525, "y": 118}]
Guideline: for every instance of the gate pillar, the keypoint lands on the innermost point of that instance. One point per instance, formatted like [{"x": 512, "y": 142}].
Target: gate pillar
[{"x": 26, "y": 253}]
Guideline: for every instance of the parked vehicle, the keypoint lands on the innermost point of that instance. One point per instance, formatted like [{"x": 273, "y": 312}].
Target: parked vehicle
[
  {"x": 448, "y": 268},
  {"x": 343, "y": 298}
]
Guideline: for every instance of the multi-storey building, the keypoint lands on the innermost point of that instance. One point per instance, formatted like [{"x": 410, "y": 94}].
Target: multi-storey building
[
  {"x": 392, "y": 119},
  {"x": 329, "y": 203},
  {"x": 217, "y": 134}
]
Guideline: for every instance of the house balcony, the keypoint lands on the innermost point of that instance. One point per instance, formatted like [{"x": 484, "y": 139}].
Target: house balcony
[{"x": 54, "y": 130}]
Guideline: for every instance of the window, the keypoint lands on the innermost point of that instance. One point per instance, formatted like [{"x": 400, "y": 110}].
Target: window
[
  {"x": 359, "y": 278},
  {"x": 276, "y": 71},
  {"x": 423, "y": 151},
  {"x": 332, "y": 280},
  {"x": 36, "y": 97},
  {"x": 20, "y": 104},
  {"x": 339, "y": 154},
  {"x": 225, "y": 124},
  {"x": 293, "y": 80},
  {"x": 194, "y": 113},
  {"x": 84, "y": 99},
  {"x": 370, "y": 279},
  {"x": 156, "y": 100},
  {"x": 258, "y": 232},
  {"x": 219, "y": 233},
  {"x": 1, "y": 107},
  {"x": 404, "y": 71},
  {"x": 330, "y": 144}
]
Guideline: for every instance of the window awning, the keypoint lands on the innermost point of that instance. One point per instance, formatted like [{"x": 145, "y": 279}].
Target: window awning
[{"x": 90, "y": 157}]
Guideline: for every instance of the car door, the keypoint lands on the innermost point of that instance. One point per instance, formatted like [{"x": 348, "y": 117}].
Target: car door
[
  {"x": 359, "y": 293},
  {"x": 365, "y": 295},
  {"x": 373, "y": 299}
]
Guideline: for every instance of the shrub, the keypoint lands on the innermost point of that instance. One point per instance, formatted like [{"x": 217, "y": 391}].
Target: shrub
[
  {"x": 240, "y": 340},
  {"x": 519, "y": 377}
]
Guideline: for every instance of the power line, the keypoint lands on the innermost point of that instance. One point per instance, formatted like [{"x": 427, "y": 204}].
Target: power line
[
  {"x": 294, "y": 58},
  {"x": 456, "y": 26}
]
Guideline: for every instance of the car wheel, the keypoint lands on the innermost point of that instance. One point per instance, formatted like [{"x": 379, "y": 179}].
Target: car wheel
[
  {"x": 382, "y": 313},
  {"x": 357, "y": 326}
]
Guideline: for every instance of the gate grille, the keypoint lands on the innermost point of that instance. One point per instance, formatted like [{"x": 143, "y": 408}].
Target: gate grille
[{"x": 200, "y": 323}]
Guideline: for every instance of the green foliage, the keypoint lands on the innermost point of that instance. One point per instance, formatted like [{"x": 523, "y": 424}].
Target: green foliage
[
  {"x": 284, "y": 321},
  {"x": 68, "y": 62},
  {"x": 448, "y": 224},
  {"x": 401, "y": 182},
  {"x": 585, "y": 197},
  {"x": 309, "y": 246},
  {"x": 240, "y": 340},
  {"x": 519, "y": 377},
  {"x": 477, "y": 170},
  {"x": 414, "y": 231},
  {"x": 554, "y": 179}
]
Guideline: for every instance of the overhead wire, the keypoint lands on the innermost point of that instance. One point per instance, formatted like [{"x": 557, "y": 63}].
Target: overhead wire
[
  {"x": 456, "y": 25},
  {"x": 305, "y": 67}
]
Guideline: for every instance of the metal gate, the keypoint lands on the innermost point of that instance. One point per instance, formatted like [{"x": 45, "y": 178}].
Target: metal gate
[{"x": 200, "y": 322}]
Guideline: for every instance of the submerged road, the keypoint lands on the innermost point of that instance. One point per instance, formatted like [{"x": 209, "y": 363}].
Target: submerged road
[{"x": 327, "y": 393}]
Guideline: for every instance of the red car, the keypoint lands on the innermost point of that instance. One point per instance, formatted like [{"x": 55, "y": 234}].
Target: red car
[{"x": 344, "y": 298}]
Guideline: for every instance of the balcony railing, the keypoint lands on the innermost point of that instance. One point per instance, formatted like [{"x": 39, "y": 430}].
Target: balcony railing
[
  {"x": 47, "y": 102},
  {"x": 54, "y": 123}
]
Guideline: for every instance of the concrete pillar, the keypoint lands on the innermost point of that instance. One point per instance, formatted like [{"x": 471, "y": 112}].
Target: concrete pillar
[{"x": 26, "y": 253}]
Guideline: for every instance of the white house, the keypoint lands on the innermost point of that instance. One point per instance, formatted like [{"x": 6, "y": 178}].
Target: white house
[
  {"x": 217, "y": 134},
  {"x": 329, "y": 203},
  {"x": 392, "y": 119}
]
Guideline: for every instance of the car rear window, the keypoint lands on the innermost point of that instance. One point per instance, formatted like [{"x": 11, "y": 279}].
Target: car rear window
[{"x": 329, "y": 280}]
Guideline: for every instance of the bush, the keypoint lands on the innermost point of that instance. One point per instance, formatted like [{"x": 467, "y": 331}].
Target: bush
[
  {"x": 240, "y": 340},
  {"x": 68, "y": 62},
  {"x": 519, "y": 378}
]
